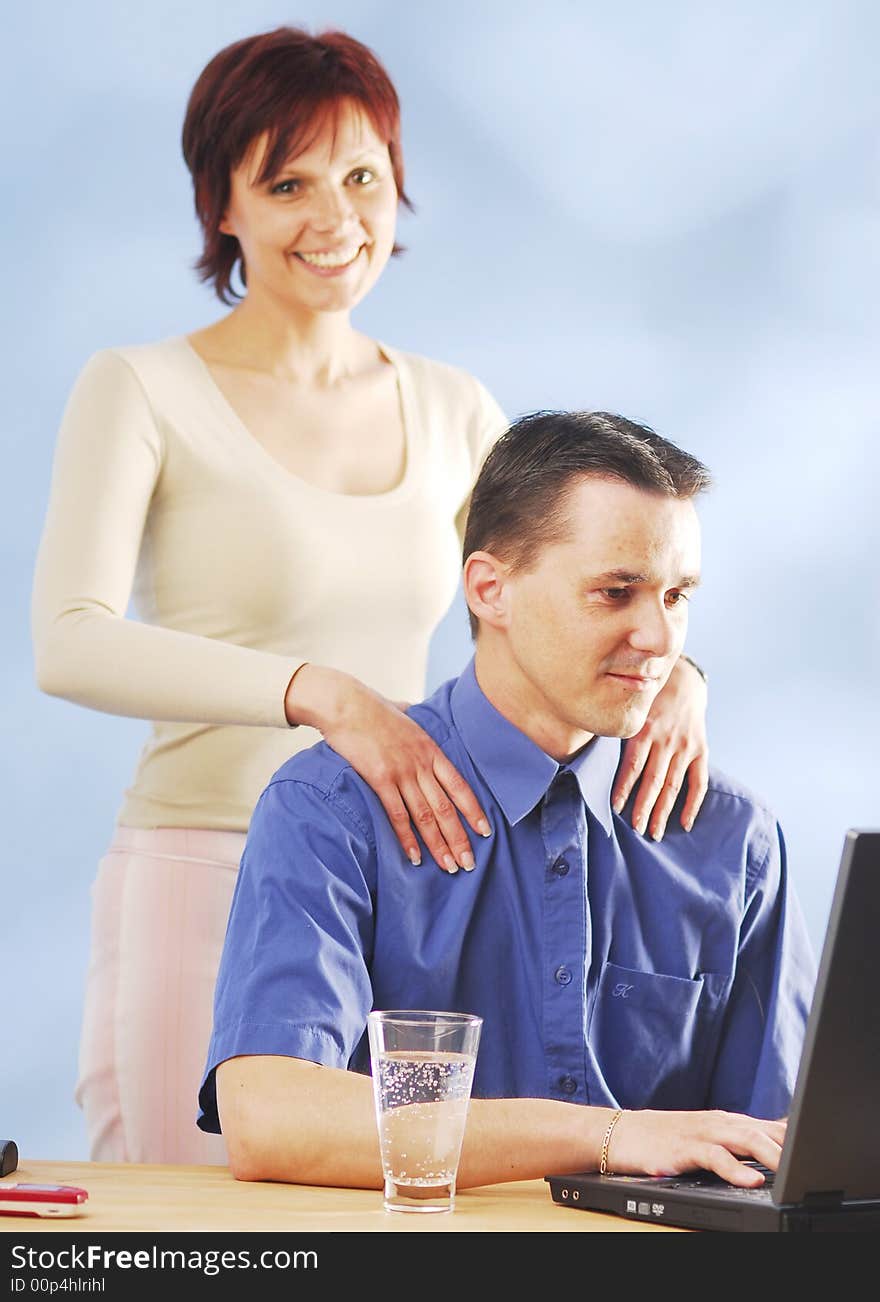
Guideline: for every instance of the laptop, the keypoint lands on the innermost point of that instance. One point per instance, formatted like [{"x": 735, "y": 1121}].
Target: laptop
[{"x": 829, "y": 1171}]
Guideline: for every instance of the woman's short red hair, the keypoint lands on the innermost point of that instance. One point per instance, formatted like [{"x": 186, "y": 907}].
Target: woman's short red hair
[{"x": 284, "y": 83}]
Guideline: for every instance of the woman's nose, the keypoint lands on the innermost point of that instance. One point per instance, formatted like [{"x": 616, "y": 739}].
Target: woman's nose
[{"x": 331, "y": 209}]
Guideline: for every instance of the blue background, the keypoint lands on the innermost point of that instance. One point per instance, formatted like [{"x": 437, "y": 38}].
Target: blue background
[{"x": 669, "y": 211}]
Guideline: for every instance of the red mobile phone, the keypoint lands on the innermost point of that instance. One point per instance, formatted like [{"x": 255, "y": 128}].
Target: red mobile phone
[{"x": 42, "y": 1200}]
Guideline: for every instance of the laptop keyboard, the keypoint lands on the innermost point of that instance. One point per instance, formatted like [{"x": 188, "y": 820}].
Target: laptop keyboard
[{"x": 708, "y": 1180}]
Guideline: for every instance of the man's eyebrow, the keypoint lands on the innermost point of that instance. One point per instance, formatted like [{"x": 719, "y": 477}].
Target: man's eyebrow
[
  {"x": 625, "y": 577},
  {"x": 617, "y": 576}
]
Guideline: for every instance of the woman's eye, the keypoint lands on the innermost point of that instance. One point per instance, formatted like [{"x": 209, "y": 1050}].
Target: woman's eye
[
  {"x": 676, "y": 598},
  {"x": 286, "y": 187},
  {"x": 363, "y": 176}
]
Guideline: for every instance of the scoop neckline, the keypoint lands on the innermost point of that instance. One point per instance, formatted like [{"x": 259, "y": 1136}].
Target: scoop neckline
[{"x": 224, "y": 408}]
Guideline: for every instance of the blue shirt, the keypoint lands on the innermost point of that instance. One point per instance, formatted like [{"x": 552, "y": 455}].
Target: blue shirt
[{"x": 608, "y": 969}]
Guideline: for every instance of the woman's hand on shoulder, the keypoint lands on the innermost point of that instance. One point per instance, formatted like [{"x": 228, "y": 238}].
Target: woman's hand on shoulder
[
  {"x": 408, "y": 771},
  {"x": 671, "y": 748}
]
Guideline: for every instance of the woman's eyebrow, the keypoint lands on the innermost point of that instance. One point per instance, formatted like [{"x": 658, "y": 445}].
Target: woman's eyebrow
[{"x": 367, "y": 154}]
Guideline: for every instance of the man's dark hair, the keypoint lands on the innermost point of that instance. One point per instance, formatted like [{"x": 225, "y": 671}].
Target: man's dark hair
[{"x": 519, "y": 502}]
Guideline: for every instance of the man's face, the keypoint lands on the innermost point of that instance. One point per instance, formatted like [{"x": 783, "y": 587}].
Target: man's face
[{"x": 591, "y": 631}]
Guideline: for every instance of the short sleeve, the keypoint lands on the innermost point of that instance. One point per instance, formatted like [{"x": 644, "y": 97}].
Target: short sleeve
[{"x": 294, "y": 978}]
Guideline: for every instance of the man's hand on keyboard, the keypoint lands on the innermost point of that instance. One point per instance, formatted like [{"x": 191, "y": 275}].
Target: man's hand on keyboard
[{"x": 669, "y": 1143}]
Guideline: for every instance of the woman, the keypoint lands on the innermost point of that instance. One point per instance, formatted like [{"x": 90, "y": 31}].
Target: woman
[{"x": 284, "y": 498}]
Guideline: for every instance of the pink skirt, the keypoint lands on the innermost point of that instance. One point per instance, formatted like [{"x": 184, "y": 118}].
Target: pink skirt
[{"x": 160, "y": 903}]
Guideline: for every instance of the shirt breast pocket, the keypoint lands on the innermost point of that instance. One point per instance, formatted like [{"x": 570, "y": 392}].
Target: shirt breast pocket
[{"x": 654, "y": 1037}]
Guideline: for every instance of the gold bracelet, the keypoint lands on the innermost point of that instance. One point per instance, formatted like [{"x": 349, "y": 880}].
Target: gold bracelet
[{"x": 603, "y": 1161}]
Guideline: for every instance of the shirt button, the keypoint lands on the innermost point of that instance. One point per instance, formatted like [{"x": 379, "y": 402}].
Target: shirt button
[
  {"x": 562, "y": 975},
  {"x": 560, "y": 868},
  {"x": 568, "y": 1084}
]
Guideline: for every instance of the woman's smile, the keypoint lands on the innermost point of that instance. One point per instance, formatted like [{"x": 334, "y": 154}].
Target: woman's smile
[
  {"x": 331, "y": 210},
  {"x": 330, "y": 262}
]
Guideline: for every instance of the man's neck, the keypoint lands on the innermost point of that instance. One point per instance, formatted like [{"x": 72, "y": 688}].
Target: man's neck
[{"x": 521, "y": 704}]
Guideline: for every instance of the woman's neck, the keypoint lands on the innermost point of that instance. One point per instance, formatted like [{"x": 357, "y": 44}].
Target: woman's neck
[{"x": 317, "y": 349}]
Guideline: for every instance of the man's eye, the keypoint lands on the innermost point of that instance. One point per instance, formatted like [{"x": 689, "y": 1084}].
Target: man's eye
[
  {"x": 286, "y": 187},
  {"x": 615, "y": 594},
  {"x": 362, "y": 176},
  {"x": 676, "y": 598}
]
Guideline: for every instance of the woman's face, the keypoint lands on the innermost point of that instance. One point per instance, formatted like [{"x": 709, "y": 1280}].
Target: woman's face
[{"x": 316, "y": 237}]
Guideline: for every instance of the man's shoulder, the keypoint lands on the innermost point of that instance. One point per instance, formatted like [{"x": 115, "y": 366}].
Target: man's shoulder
[
  {"x": 733, "y": 810},
  {"x": 434, "y": 715},
  {"x": 730, "y": 793},
  {"x": 320, "y": 771},
  {"x": 318, "y": 766}
]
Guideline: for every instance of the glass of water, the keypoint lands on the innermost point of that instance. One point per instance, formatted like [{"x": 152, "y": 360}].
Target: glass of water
[{"x": 423, "y": 1067}]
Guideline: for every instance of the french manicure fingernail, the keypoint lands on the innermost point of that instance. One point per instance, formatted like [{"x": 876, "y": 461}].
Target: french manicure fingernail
[
  {"x": 415, "y": 858},
  {"x": 483, "y": 828},
  {"x": 467, "y": 861},
  {"x": 449, "y": 864},
  {"x": 617, "y": 805},
  {"x": 689, "y": 822},
  {"x": 640, "y": 826}
]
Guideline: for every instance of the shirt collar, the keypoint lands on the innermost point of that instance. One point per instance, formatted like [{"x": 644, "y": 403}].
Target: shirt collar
[{"x": 517, "y": 771}]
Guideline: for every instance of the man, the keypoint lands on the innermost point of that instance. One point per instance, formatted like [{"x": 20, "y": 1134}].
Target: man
[{"x": 611, "y": 972}]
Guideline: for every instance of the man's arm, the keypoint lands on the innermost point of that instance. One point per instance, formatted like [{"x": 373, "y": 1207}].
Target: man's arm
[{"x": 290, "y": 1120}]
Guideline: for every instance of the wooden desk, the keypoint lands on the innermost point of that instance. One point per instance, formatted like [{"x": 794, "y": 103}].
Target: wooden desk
[{"x": 130, "y": 1198}]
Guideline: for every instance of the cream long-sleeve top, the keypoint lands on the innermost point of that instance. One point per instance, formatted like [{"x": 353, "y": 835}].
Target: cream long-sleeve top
[{"x": 237, "y": 572}]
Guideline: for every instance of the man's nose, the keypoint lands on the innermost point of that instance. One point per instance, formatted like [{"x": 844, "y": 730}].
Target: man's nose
[{"x": 656, "y": 630}]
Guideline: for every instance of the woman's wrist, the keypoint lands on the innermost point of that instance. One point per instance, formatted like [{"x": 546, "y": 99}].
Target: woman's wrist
[
  {"x": 314, "y": 696},
  {"x": 693, "y": 664}
]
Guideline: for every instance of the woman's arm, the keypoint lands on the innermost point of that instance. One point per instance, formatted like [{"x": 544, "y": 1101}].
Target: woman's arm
[
  {"x": 670, "y": 748},
  {"x": 107, "y": 464}
]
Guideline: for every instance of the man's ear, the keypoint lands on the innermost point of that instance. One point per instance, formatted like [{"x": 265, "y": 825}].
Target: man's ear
[{"x": 485, "y": 588}]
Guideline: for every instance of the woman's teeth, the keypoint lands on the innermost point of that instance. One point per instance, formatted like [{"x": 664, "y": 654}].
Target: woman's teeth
[{"x": 339, "y": 258}]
